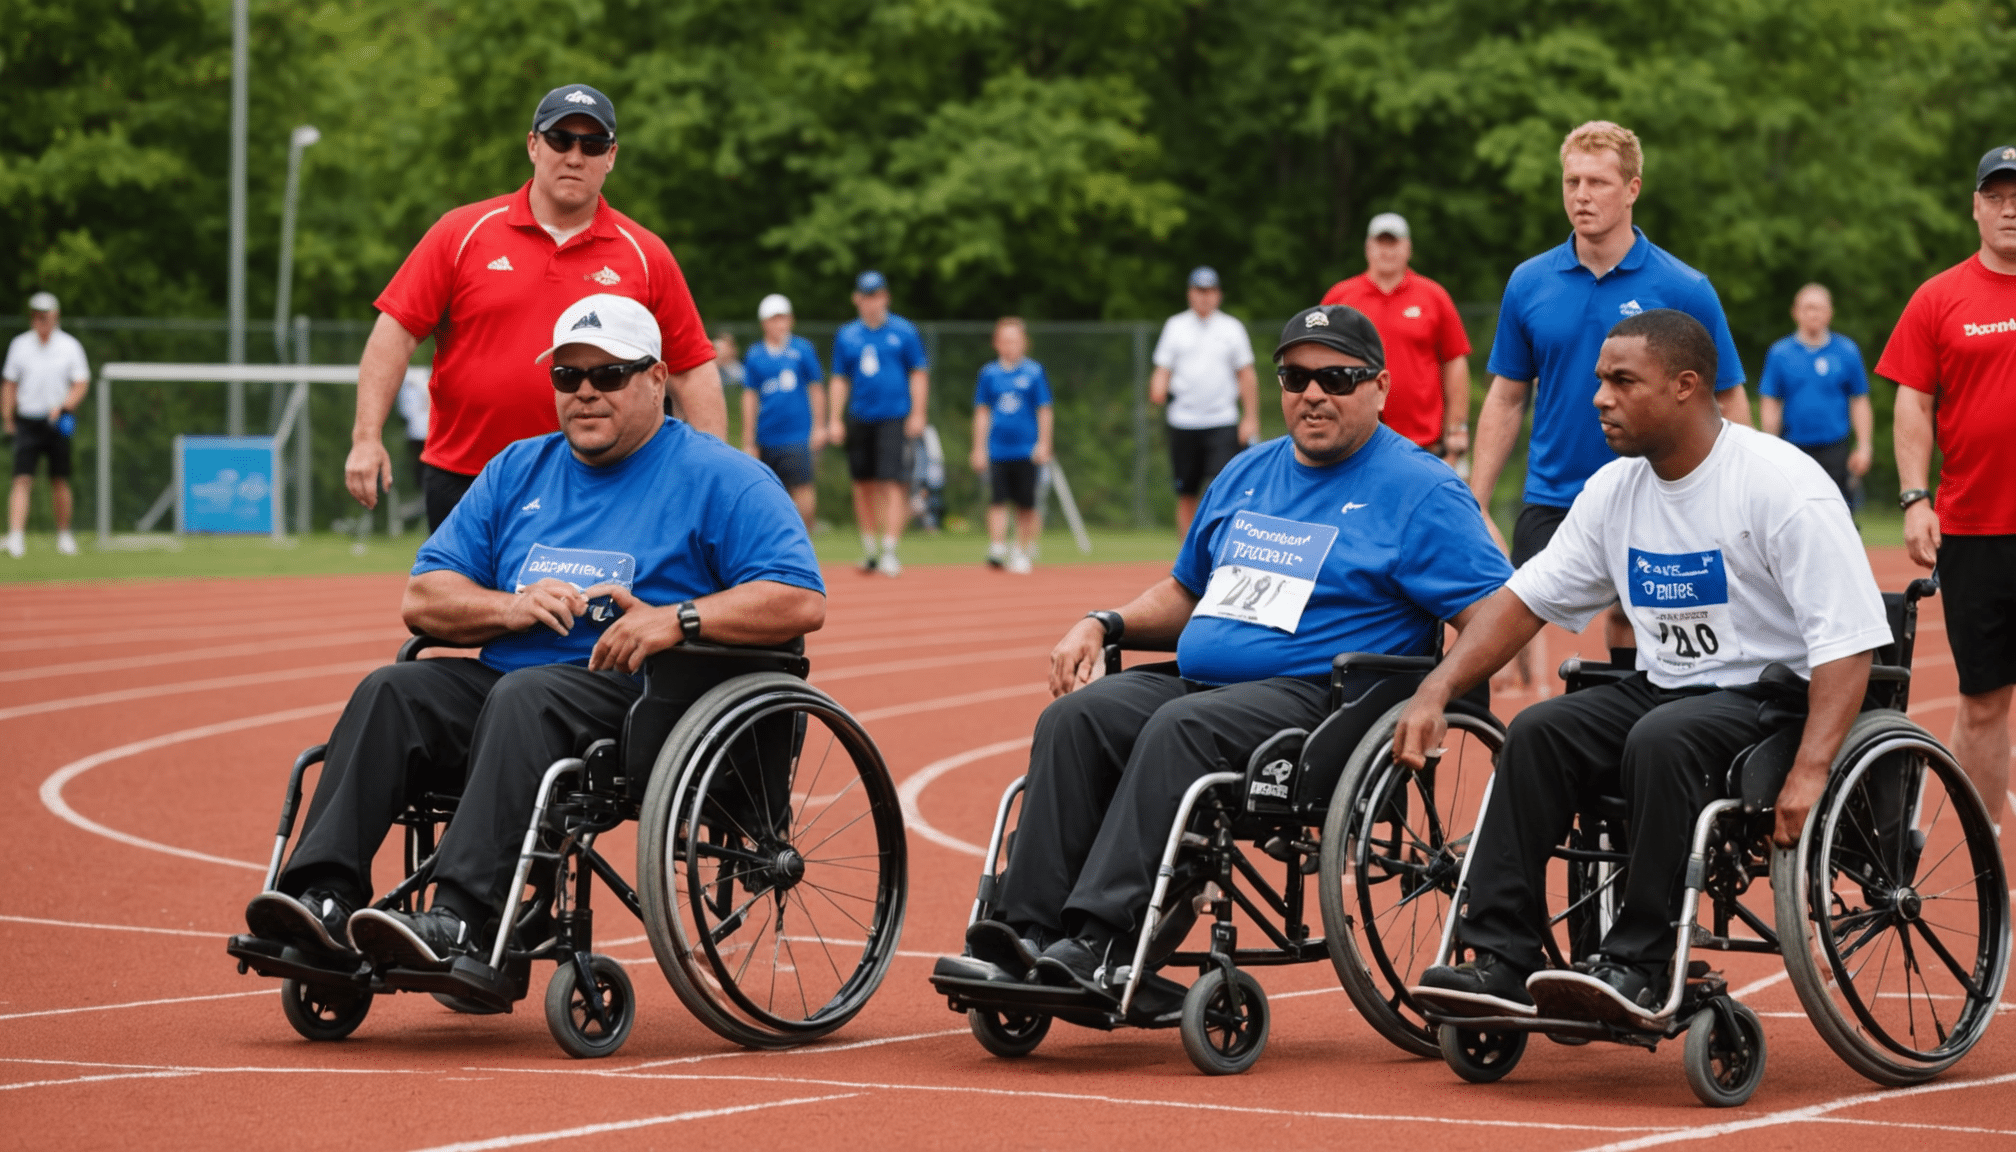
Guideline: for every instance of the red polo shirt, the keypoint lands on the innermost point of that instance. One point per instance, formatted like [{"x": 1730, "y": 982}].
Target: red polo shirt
[
  {"x": 1957, "y": 341},
  {"x": 1419, "y": 326},
  {"x": 487, "y": 282}
]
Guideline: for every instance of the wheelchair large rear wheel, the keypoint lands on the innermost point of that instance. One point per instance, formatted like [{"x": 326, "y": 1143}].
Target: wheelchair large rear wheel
[
  {"x": 1393, "y": 847},
  {"x": 771, "y": 862},
  {"x": 1894, "y": 909}
]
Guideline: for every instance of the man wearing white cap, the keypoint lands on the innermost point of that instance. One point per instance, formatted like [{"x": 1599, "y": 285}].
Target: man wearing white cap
[
  {"x": 784, "y": 403},
  {"x": 573, "y": 557},
  {"x": 44, "y": 381},
  {"x": 1204, "y": 373}
]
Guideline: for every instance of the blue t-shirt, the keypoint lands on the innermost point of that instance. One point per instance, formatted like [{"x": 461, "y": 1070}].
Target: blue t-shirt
[
  {"x": 683, "y": 516},
  {"x": 1014, "y": 394},
  {"x": 1815, "y": 384},
  {"x": 784, "y": 407},
  {"x": 877, "y": 363},
  {"x": 1382, "y": 544},
  {"x": 1551, "y": 327}
]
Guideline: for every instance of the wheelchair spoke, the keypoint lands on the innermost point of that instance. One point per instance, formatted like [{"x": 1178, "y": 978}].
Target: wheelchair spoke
[
  {"x": 828, "y": 897},
  {"x": 819, "y": 770},
  {"x": 860, "y": 816},
  {"x": 831, "y": 804},
  {"x": 1965, "y": 978},
  {"x": 749, "y": 949},
  {"x": 825, "y": 949},
  {"x": 1872, "y": 923}
]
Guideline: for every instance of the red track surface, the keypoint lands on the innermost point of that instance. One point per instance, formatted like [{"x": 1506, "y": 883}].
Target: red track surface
[{"x": 147, "y": 730}]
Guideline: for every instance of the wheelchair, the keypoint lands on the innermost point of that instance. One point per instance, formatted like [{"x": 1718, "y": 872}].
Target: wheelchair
[
  {"x": 771, "y": 866},
  {"x": 1891, "y": 914},
  {"x": 1285, "y": 806}
]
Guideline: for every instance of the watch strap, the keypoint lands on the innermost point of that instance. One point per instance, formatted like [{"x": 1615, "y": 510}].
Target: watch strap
[
  {"x": 689, "y": 620},
  {"x": 1912, "y": 496},
  {"x": 1114, "y": 624}
]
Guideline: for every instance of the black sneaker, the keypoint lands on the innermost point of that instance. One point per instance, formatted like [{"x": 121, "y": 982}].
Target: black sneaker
[
  {"x": 1486, "y": 986},
  {"x": 426, "y": 940},
  {"x": 996, "y": 562},
  {"x": 317, "y": 921},
  {"x": 869, "y": 564},
  {"x": 998, "y": 944},
  {"x": 1072, "y": 963},
  {"x": 1597, "y": 989}
]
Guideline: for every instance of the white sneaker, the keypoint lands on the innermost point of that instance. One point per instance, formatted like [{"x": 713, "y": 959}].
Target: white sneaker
[
  {"x": 17, "y": 545},
  {"x": 1018, "y": 563},
  {"x": 66, "y": 544},
  {"x": 889, "y": 565}
]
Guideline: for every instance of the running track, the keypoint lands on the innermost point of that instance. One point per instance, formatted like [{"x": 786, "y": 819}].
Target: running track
[{"x": 145, "y": 732}]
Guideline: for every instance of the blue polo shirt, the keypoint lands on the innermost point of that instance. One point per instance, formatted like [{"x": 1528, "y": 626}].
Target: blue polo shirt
[
  {"x": 682, "y": 516},
  {"x": 1551, "y": 327},
  {"x": 1014, "y": 395},
  {"x": 1294, "y": 564},
  {"x": 1815, "y": 385},
  {"x": 877, "y": 363},
  {"x": 784, "y": 408}
]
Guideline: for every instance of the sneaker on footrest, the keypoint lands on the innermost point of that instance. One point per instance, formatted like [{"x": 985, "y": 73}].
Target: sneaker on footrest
[
  {"x": 429, "y": 940},
  {"x": 1600, "y": 989},
  {"x": 1486, "y": 986},
  {"x": 998, "y": 944},
  {"x": 316, "y": 921}
]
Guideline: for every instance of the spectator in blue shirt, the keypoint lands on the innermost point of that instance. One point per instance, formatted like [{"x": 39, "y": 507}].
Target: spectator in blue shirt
[
  {"x": 1011, "y": 440},
  {"x": 1814, "y": 390},
  {"x": 784, "y": 403},
  {"x": 880, "y": 389},
  {"x": 1557, "y": 309}
]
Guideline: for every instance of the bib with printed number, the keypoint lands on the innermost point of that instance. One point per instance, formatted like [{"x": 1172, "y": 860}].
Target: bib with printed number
[
  {"x": 1681, "y": 605},
  {"x": 581, "y": 567},
  {"x": 1265, "y": 569}
]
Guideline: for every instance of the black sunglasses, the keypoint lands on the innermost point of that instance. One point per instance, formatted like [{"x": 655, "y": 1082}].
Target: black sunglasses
[
  {"x": 592, "y": 143},
  {"x": 1336, "y": 380},
  {"x": 605, "y": 377}
]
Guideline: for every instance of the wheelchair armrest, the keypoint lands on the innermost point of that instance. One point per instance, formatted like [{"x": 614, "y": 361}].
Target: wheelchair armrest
[
  {"x": 1112, "y": 651},
  {"x": 1889, "y": 674},
  {"x": 1577, "y": 673},
  {"x": 1378, "y": 662},
  {"x": 418, "y": 643},
  {"x": 1922, "y": 587}
]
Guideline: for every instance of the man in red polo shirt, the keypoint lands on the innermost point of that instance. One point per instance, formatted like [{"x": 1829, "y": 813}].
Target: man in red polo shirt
[
  {"x": 487, "y": 282},
  {"x": 1953, "y": 353},
  {"x": 1426, "y": 348}
]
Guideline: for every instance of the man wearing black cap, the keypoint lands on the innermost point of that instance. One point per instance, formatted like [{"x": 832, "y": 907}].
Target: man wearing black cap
[
  {"x": 486, "y": 282},
  {"x": 1204, "y": 373},
  {"x": 1953, "y": 355},
  {"x": 1340, "y": 537}
]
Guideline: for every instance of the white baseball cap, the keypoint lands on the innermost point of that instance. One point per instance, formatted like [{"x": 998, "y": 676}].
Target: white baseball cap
[
  {"x": 42, "y": 302},
  {"x": 618, "y": 325},
  {"x": 775, "y": 304},
  {"x": 1387, "y": 224}
]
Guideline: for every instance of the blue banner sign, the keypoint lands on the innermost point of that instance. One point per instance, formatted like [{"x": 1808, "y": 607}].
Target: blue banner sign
[{"x": 224, "y": 484}]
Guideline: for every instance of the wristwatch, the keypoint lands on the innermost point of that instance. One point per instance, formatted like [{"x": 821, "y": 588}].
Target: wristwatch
[
  {"x": 1114, "y": 624},
  {"x": 689, "y": 620},
  {"x": 1906, "y": 499}
]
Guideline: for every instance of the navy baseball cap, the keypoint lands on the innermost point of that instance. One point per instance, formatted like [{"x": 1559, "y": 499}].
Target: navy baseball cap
[
  {"x": 870, "y": 282},
  {"x": 570, "y": 99},
  {"x": 1995, "y": 163},
  {"x": 1334, "y": 326},
  {"x": 1203, "y": 276}
]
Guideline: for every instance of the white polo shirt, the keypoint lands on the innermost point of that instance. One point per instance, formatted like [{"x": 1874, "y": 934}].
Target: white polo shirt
[
  {"x": 1204, "y": 356},
  {"x": 43, "y": 372}
]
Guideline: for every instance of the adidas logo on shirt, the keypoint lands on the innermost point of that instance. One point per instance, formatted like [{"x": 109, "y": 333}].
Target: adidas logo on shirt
[
  {"x": 500, "y": 264},
  {"x": 532, "y": 507},
  {"x": 1630, "y": 308}
]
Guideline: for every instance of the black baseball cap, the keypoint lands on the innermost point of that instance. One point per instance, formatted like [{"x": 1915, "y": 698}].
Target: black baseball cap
[
  {"x": 1996, "y": 162},
  {"x": 570, "y": 99},
  {"x": 1334, "y": 326}
]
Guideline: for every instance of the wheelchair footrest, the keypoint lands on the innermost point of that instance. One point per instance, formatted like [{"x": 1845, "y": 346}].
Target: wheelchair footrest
[
  {"x": 1158, "y": 1002},
  {"x": 468, "y": 978},
  {"x": 1647, "y": 1038},
  {"x": 282, "y": 962}
]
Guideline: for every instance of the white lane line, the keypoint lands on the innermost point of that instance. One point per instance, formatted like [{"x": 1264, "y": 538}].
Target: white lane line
[
  {"x": 1756, "y": 986},
  {"x": 1799, "y": 1115},
  {"x": 911, "y": 788},
  {"x": 627, "y": 1125},
  {"x": 249, "y": 680},
  {"x": 137, "y": 1004},
  {"x": 95, "y": 1079},
  {"x": 934, "y": 639},
  {"x": 190, "y": 655},
  {"x": 958, "y": 660},
  {"x": 113, "y": 927},
  {"x": 985, "y": 697},
  {"x": 811, "y": 1050},
  {"x": 205, "y": 632},
  {"x": 52, "y": 788},
  {"x": 1906, "y": 1124}
]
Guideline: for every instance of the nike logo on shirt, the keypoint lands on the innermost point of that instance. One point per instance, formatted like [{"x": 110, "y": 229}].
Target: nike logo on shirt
[{"x": 1350, "y": 508}]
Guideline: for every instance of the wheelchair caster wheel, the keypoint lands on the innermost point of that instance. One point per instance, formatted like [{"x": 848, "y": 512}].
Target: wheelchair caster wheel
[
  {"x": 1724, "y": 1069},
  {"x": 568, "y": 1014},
  {"x": 1220, "y": 1038},
  {"x": 1480, "y": 1057},
  {"x": 1007, "y": 1034},
  {"x": 323, "y": 1011}
]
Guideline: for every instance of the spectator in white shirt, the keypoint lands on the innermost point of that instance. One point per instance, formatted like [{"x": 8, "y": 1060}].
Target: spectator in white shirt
[
  {"x": 45, "y": 379},
  {"x": 1204, "y": 373}
]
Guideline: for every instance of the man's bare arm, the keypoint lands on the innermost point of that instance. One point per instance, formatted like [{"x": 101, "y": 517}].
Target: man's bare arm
[
  {"x": 1490, "y": 634},
  {"x": 1832, "y": 700},
  {"x": 759, "y": 612},
  {"x": 7, "y": 405},
  {"x": 749, "y": 421},
  {"x": 1249, "y": 406},
  {"x": 1735, "y": 404},
  {"x": 1158, "y": 386},
  {"x": 1770, "y": 414},
  {"x": 1913, "y": 434},
  {"x": 836, "y": 410},
  {"x": 1156, "y": 616},
  {"x": 1455, "y": 407},
  {"x": 698, "y": 390},
  {"x": 459, "y": 610},
  {"x": 920, "y": 403},
  {"x": 379, "y": 373},
  {"x": 1862, "y": 418},
  {"x": 1497, "y": 434},
  {"x": 74, "y": 399}
]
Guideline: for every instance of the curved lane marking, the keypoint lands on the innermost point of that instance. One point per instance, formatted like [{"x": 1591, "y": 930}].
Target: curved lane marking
[
  {"x": 52, "y": 788},
  {"x": 181, "y": 686},
  {"x": 942, "y": 702},
  {"x": 952, "y": 661},
  {"x": 921, "y": 779},
  {"x": 191, "y": 655}
]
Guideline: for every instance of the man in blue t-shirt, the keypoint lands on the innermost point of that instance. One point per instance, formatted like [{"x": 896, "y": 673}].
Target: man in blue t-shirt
[
  {"x": 572, "y": 558},
  {"x": 1341, "y": 537},
  {"x": 783, "y": 402},
  {"x": 1814, "y": 389},
  {"x": 1011, "y": 440},
  {"x": 881, "y": 386}
]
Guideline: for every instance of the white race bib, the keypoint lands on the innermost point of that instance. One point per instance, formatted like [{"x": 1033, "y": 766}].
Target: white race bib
[
  {"x": 1265, "y": 569},
  {"x": 1680, "y": 602}
]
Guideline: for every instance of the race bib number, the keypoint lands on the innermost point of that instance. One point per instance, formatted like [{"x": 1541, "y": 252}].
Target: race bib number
[
  {"x": 1681, "y": 605},
  {"x": 581, "y": 567},
  {"x": 1266, "y": 568}
]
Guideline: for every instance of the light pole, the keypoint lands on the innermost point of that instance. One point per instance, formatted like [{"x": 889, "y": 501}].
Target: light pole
[
  {"x": 241, "y": 36},
  {"x": 302, "y": 139}
]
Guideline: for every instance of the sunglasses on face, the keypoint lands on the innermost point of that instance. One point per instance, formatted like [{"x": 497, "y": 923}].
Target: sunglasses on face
[
  {"x": 1336, "y": 380},
  {"x": 605, "y": 377},
  {"x": 592, "y": 143}
]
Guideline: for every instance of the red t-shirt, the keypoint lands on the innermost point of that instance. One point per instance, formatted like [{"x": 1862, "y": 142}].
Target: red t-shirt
[
  {"x": 1957, "y": 341},
  {"x": 1419, "y": 326},
  {"x": 487, "y": 282}
]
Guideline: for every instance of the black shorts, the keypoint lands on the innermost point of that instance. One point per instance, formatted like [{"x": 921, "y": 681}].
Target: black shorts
[
  {"x": 875, "y": 450},
  {"x": 35, "y": 438},
  {"x": 443, "y": 490},
  {"x": 791, "y": 462},
  {"x": 1013, "y": 482},
  {"x": 1535, "y": 527},
  {"x": 1197, "y": 455},
  {"x": 1979, "y": 598},
  {"x": 1833, "y": 460}
]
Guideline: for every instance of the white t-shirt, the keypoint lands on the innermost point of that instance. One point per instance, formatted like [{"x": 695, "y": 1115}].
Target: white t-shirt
[
  {"x": 1203, "y": 357},
  {"x": 1750, "y": 559},
  {"x": 43, "y": 373},
  {"x": 413, "y": 401}
]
